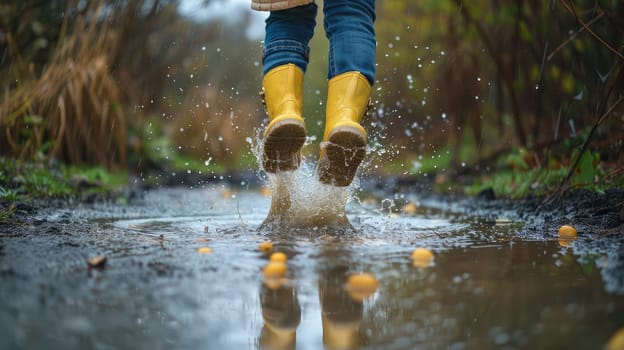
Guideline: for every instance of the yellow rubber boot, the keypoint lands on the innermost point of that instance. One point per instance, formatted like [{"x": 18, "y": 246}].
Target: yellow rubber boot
[
  {"x": 344, "y": 141},
  {"x": 282, "y": 88}
]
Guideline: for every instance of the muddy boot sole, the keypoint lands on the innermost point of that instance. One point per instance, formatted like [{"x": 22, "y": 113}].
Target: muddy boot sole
[
  {"x": 343, "y": 153},
  {"x": 282, "y": 146}
]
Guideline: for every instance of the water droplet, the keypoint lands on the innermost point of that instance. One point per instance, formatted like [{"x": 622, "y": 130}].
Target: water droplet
[{"x": 203, "y": 48}]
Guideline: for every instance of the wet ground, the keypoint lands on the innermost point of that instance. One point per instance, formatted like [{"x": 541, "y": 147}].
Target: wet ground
[{"x": 499, "y": 279}]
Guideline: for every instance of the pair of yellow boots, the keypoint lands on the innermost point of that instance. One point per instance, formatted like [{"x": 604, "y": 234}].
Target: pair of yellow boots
[{"x": 344, "y": 141}]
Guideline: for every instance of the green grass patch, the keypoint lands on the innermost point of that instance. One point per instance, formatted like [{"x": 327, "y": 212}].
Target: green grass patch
[
  {"x": 98, "y": 174},
  {"x": 21, "y": 180},
  {"x": 520, "y": 178}
]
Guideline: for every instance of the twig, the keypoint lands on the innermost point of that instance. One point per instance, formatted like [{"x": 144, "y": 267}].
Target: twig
[
  {"x": 586, "y": 143},
  {"x": 571, "y": 9},
  {"x": 573, "y": 36}
]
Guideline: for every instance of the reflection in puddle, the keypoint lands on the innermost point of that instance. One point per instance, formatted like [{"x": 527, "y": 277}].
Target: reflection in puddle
[{"x": 341, "y": 299}]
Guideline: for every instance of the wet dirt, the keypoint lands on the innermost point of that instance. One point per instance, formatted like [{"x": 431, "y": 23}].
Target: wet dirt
[{"x": 500, "y": 277}]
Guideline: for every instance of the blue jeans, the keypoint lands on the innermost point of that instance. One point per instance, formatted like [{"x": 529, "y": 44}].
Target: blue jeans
[{"x": 348, "y": 26}]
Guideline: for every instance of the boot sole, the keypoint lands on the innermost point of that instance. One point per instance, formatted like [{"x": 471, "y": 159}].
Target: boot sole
[
  {"x": 282, "y": 146},
  {"x": 344, "y": 151}
]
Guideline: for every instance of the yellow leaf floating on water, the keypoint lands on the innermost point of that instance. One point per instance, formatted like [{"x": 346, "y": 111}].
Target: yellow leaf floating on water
[
  {"x": 422, "y": 257},
  {"x": 567, "y": 231},
  {"x": 369, "y": 201},
  {"x": 361, "y": 286},
  {"x": 226, "y": 193},
  {"x": 98, "y": 261},
  {"x": 204, "y": 250},
  {"x": 265, "y": 247},
  {"x": 410, "y": 208},
  {"x": 278, "y": 257},
  {"x": 617, "y": 340},
  {"x": 266, "y": 191}
]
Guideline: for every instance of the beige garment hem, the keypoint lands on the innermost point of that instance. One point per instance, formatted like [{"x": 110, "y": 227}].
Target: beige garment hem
[{"x": 276, "y": 5}]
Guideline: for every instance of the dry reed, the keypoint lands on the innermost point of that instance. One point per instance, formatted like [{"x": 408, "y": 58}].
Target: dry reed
[{"x": 71, "y": 111}]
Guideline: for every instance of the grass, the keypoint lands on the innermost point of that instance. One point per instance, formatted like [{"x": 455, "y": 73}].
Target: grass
[
  {"x": 518, "y": 178},
  {"x": 27, "y": 180},
  {"x": 71, "y": 111}
]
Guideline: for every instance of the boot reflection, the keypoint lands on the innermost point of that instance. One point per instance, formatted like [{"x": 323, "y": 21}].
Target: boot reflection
[
  {"x": 341, "y": 315},
  {"x": 281, "y": 314}
]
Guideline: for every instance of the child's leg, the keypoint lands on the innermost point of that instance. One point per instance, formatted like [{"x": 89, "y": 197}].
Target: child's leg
[
  {"x": 285, "y": 60},
  {"x": 349, "y": 28},
  {"x": 288, "y": 33}
]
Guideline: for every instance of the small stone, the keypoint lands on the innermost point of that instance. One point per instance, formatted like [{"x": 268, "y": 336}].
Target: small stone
[{"x": 98, "y": 261}]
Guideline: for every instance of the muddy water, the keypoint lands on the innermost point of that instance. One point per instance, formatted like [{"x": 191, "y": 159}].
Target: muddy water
[{"x": 491, "y": 284}]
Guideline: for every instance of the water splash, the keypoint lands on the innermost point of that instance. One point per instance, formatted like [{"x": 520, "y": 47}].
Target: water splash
[{"x": 298, "y": 199}]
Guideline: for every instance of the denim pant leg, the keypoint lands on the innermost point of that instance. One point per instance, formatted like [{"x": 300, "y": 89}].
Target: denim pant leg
[
  {"x": 288, "y": 33},
  {"x": 349, "y": 26}
]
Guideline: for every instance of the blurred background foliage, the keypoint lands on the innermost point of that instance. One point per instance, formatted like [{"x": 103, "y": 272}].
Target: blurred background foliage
[{"x": 529, "y": 88}]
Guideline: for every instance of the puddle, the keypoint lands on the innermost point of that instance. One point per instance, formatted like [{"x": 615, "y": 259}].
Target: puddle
[{"x": 487, "y": 287}]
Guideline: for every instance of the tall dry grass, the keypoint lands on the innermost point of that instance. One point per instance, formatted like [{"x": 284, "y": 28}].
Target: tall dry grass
[{"x": 71, "y": 111}]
